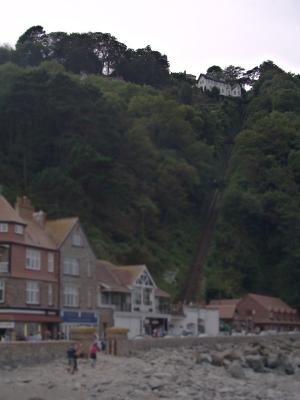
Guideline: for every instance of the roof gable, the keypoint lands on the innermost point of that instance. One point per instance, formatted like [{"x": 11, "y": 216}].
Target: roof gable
[
  {"x": 269, "y": 302},
  {"x": 8, "y": 213},
  {"x": 59, "y": 229}
]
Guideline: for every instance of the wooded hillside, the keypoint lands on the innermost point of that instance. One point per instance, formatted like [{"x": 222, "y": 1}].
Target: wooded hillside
[{"x": 139, "y": 163}]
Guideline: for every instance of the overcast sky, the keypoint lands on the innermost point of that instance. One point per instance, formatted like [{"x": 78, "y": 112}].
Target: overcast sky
[{"x": 194, "y": 34}]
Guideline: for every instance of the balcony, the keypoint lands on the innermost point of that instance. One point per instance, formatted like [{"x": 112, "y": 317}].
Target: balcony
[
  {"x": 164, "y": 309},
  {"x": 3, "y": 266},
  {"x": 123, "y": 307}
]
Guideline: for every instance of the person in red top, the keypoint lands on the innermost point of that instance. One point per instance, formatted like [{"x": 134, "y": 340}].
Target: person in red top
[{"x": 93, "y": 353}]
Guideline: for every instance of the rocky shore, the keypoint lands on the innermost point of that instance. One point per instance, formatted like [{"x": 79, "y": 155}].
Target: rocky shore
[{"x": 227, "y": 371}]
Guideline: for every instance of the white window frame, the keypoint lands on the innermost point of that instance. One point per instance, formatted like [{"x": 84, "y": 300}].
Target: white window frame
[
  {"x": 71, "y": 295},
  {"x": 71, "y": 266},
  {"x": 50, "y": 294},
  {"x": 50, "y": 262},
  {"x": 3, "y": 227},
  {"x": 32, "y": 292},
  {"x": 2, "y": 291},
  {"x": 19, "y": 229},
  {"x": 33, "y": 259},
  {"x": 77, "y": 239}
]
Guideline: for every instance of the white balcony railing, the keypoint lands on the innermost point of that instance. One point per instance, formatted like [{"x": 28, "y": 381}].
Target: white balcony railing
[{"x": 4, "y": 266}]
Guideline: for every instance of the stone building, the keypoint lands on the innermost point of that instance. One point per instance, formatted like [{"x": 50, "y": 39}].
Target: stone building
[
  {"x": 29, "y": 305},
  {"x": 78, "y": 287}
]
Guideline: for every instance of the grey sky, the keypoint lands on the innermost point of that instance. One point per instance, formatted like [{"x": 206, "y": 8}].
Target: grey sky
[{"x": 194, "y": 34}]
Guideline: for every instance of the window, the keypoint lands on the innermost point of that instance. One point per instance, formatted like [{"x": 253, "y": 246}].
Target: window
[
  {"x": 90, "y": 298},
  {"x": 71, "y": 296},
  {"x": 2, "y": 291},
  {"x": 76, "y": 239},
  {"x": 19, "y": 229},
  {"x": 147, "y": 296},
  {"x": 137, "y": 296},
  {"x": 144, "y": 280},
  {"x": 4, "y": 257},
  {"x": 104, "y": 298},
  {"x": 3, "y": 227},
  {"x": 32, "y": 292},
  {"x": 71, "y": 266},
  {"x": 33, "y": 259},
  {"x": 50, "y": 295},
  {"x": 50, "y": 262},
  {"x": 89, "y": 270}
]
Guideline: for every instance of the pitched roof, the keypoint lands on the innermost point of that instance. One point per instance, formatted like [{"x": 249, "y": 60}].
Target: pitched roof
[
  {"x": 210, "y": 78},
  {"x": 36, "y": 236},
  {"x": 161, "y": 293},
  {"x": 59, "y": 229},
  {"x": 225, "y": 311},
  {"x": 119, "y": 278},
  {"x": 270, "y": 303},
  {"x": 127, "y": 275},
  {"x": 106, "y": 277},
  {"x": 224, "y": 302},
  {"x": 226, "y": 307},
  {"x": 8, "y": 213}
]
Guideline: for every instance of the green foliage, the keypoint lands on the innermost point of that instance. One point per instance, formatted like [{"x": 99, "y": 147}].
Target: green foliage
[
  {"x": 257, "y": 238},
  {"x": 139, "y": 164}
]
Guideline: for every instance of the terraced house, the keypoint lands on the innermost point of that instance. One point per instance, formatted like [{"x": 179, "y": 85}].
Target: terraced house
[
  {"x": 29, "y": 258},
  {"x": 78, "y": 286}
]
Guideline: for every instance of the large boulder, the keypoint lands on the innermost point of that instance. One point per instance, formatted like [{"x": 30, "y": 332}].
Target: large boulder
[
  {"x": 236, "y": 371},
  {"x": 255, "y": 362}
]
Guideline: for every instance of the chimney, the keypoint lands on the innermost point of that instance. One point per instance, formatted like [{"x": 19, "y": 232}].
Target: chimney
[
  {"x": 24, "y": 208},
  {"x": 40, "y": 218}
]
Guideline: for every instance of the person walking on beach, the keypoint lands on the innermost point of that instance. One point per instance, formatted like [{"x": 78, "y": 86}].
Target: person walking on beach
[
  {"x": 73, "y": 353},
  {"x": 93, "y": 353}
]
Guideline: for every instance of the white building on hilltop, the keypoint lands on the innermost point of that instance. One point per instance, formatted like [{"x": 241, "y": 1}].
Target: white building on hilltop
[{"x": 206, "y": 82}]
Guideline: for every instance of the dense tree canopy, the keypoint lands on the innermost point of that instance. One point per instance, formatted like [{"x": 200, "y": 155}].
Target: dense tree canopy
[{"x": 140, "y": 162}]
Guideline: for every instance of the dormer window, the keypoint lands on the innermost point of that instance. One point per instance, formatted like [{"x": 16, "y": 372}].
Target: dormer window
[
  {"x": 76, "y": 239},
  {"x": 19, "y": 229},
  {"x": 3, "y": 227}
]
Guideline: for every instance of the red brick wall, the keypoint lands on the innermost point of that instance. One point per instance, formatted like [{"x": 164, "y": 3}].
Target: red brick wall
[
  {"x": 18, "y": 265},
  {"x": 15, "y": 294},
  {"x": 11, "y": 236}
]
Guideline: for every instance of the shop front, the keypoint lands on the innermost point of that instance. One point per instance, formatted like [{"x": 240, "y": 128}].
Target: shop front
[
  {"x": 71, "y": 319},
  {"x": 26, "y": 326},
  {"x": 156, "y": 327}
]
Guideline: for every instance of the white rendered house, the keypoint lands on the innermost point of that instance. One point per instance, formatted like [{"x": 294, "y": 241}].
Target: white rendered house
[
  {"x": 206, "y": 82},
  {"x": 133, "y": 300}
]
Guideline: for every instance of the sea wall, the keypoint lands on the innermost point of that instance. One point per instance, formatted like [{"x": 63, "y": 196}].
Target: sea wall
[
  {"x": 14, "y": 354},
  {"x": 152, "y": 343}
]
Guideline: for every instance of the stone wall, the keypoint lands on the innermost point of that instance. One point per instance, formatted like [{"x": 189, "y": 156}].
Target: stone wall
[
  {"x": 152, "y": 343},
  {"x": 14, "y": 354}
]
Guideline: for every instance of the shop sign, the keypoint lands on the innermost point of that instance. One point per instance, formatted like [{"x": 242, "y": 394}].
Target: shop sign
[
  {"x": 79, "y": 317},
  {"x": 7, "y": 325}
]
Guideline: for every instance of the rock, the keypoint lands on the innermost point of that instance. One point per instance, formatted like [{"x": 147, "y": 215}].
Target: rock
[
  {"x": 217, "y": 359},
  {"x": 156, "y": 384},
  {"x": 203, "y": 358},
  {"x": 272, "y": 361},
  {"x": 255, "y": 362},
  {"x": 289, "y": 369},
  {"x": 236, "y": 371}
]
